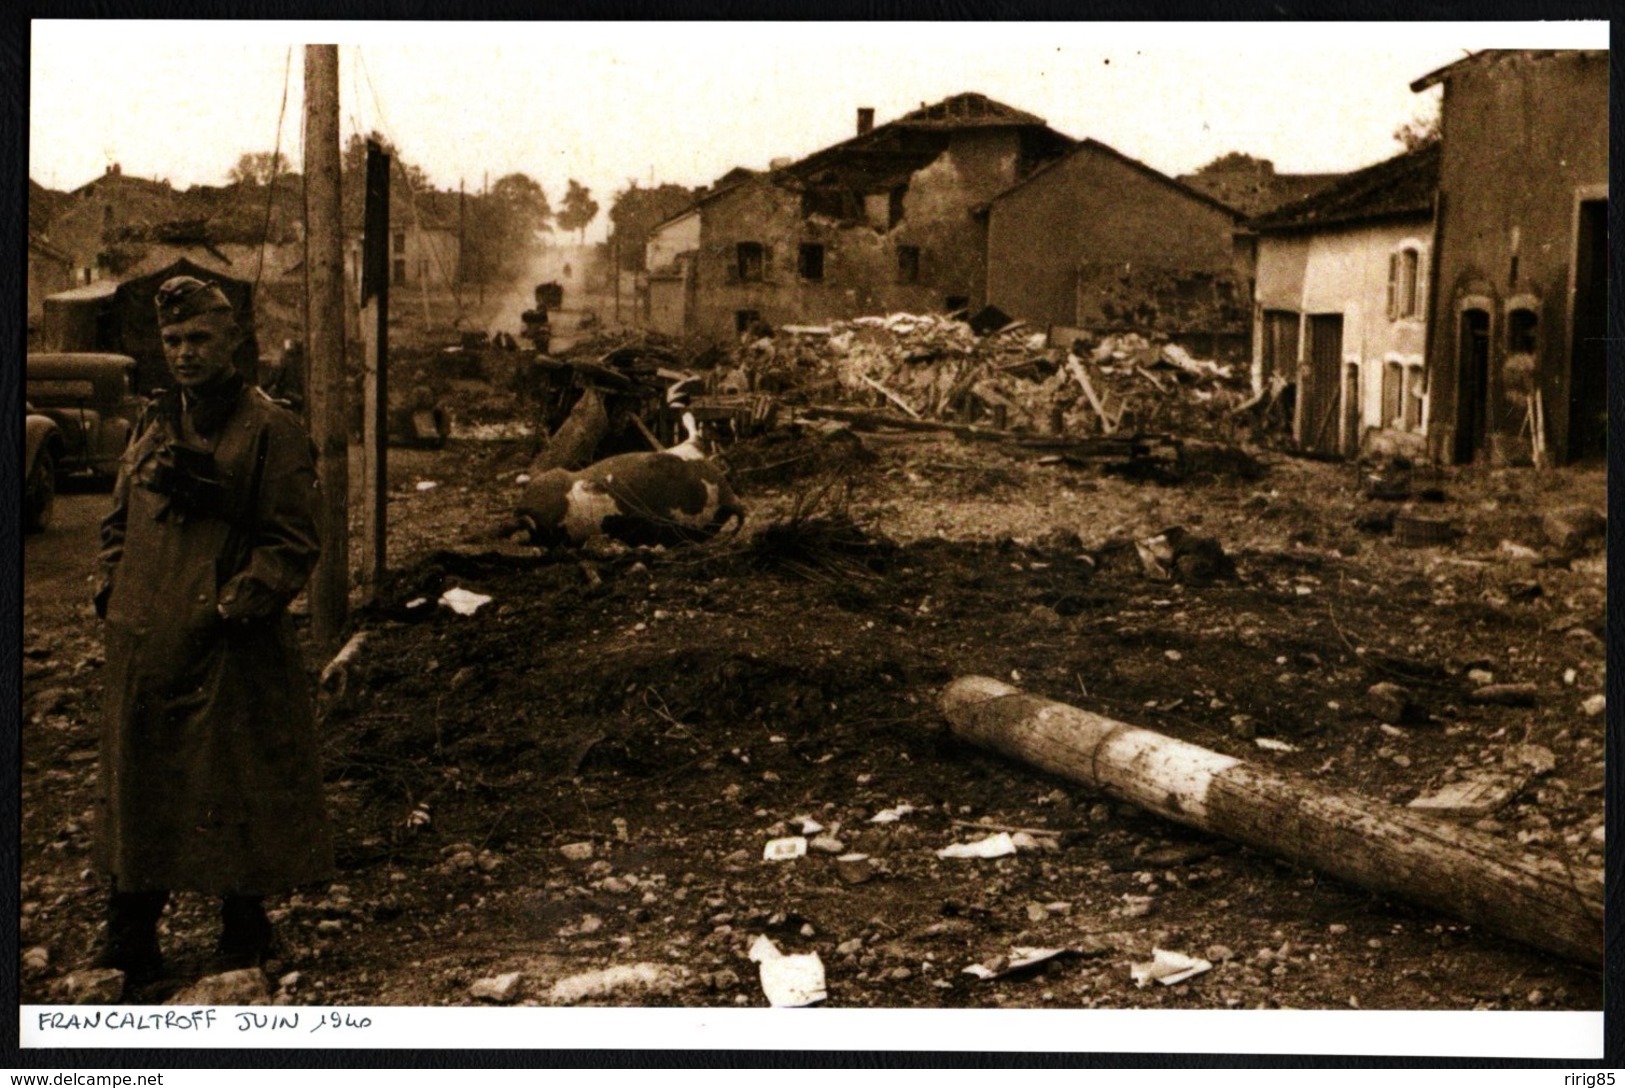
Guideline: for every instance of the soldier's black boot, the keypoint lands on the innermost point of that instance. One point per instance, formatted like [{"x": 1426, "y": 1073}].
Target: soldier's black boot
[
  {"x": 245, "y": 932},
  {"x": 131, "y": 944}
]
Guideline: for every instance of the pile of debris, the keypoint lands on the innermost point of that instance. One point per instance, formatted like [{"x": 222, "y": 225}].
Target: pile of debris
[{"x": 1013, "y": 378}]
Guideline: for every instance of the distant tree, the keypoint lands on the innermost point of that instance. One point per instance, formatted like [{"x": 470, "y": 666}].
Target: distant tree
[
  {"x": 635, "y": 212},
  {"x": 404, "y": 178},
  {"x": 579, "y": 210},
  {"x": 1419, "y": 132},
  {"x": 523, "y": 202},
  {"x": 258, "y": 168},
  {"x": 1233, "y": 161},
  {"x": 503, "y": 226}
]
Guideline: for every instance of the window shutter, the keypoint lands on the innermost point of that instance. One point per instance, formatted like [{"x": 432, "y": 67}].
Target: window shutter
[
  {"x": 1421, "y": 284},
  {"x": 1393, "y": 286}
]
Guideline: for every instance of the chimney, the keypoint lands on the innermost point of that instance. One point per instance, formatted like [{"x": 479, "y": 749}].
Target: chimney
[{"x": 866, "y": 120}]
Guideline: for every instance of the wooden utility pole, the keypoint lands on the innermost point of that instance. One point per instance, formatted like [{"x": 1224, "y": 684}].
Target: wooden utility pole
[
  {"x": 324, "y": 341},
  {"x": 374, "y": 494},
  {"x": 1393, "y": 851}
]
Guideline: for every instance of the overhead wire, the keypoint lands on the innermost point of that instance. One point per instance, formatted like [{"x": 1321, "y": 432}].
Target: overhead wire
[
  {"x": 276, "y": 162},
  {"x": 417, "y": 220}
]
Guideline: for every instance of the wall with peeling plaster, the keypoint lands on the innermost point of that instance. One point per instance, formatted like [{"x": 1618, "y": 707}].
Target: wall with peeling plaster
[
  {"x": 1345, "y": 271},
  {"x": 1095, "y": 208},
  {"x": 1525, "y": 139}
]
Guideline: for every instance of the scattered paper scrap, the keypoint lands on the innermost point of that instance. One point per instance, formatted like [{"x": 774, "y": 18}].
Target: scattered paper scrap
[
  {"x": 891, "y": 815},
  {"x": 788, "y": 981},
  {"x": 786, "y": 849},
  {"x": 427, "y": 485},
  {"x": 464, "y": 602},
  {"x": 994, "y": 846},
  {"x": 1168, "y": 968},
  {"x": 1272, "y": 745},
  {"x": 1019, "y": 960}
]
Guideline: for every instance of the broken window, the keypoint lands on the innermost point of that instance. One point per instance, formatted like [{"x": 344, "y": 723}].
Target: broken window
[
  {"x": 751, "y": 261},
  {"x": 400, "y": 272},
  {"x": 955, "y": 303},
  {"x": 1523, "y": 327},
  {"x": 400, "y": 241},
  {"x": 908, "y": 264},
  {"x": 825, "y": 202},
  {"x": 895, "y": 205},
  {"x": 1405, "y": 282},
  {"x": 811, "y": 263},
  {"x": 745, "y": 320}
]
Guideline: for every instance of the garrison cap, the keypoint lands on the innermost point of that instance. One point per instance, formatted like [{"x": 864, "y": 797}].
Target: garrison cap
[{"x": 186, "y": 296}]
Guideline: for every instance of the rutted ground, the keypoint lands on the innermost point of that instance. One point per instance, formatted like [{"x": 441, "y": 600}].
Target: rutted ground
[{"x": 675, "y": 710}]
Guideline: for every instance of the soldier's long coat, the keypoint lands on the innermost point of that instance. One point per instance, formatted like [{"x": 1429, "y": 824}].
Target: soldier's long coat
[{"x": 209, "y": 764}]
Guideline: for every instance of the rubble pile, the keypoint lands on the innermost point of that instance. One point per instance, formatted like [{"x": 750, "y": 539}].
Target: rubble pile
[{"x": 937, "y": 367}]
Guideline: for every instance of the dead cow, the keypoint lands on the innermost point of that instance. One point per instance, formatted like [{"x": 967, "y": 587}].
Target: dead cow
[{"x": 637, "y": 498}]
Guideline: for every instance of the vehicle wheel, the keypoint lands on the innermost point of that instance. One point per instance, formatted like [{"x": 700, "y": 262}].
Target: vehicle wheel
[{"x": 40, "y": 496}]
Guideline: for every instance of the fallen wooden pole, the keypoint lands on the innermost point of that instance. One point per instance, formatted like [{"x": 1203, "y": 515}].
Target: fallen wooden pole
[{"x": 1467, "y": 874}]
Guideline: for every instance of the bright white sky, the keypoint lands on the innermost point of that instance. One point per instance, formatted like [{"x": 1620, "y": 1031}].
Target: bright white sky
[{"x": 685, "y": 102}]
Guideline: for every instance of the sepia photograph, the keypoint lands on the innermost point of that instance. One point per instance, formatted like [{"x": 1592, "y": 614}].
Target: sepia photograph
[{"x": 911, "y": 518}]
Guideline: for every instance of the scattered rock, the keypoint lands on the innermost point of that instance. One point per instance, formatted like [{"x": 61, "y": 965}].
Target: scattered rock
[
  {"x": 854, "y": 868},
  {"x": 1518, "y": 553},
  {"x": 500, "y": 989},
  {"x": 827, "y": 844},
  {"x": 1478, "y": 796},
  {"x": 1594, "y": 705},
  {"x": 95, "y": 986},
  {"x": 1503, "y": 695},
  {"x": 576, "y": 851},
  {"x": 1573, "y": 529},
  {"x": 646, "y": 977},
  {"x": 1537, "y": 757},
  {"x": 245, "y": 987},
  {"x": 37, "y": 960},
  {"x": 1390, "y": 702}
]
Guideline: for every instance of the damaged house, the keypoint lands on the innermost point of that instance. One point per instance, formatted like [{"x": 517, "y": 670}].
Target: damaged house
[
  {"x": 1516, "y": 360},
  {"x": 1100, "y": 241},
  {"x": 1340, "y": 309},
  {"x": 883, "y": 221}
]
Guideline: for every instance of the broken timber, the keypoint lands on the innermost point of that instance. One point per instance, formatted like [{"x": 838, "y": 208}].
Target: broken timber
[
  {"x": 1113, "y": 447},
  {"x": 1464, "y": 873}
]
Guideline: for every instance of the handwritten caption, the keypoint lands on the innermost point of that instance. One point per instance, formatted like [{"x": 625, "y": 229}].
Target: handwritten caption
[{"x": 204, "y": 1021}]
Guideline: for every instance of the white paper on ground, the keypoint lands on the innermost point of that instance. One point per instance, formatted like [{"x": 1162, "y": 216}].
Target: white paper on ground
[
  {"x": 994, "y": 846},
  {"x": 788, "y": 981},
  {"x": 463, "y": 602}
]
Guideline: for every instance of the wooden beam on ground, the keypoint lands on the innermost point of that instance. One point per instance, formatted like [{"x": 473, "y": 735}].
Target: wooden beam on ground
[
  {"x": 889, "y": 395},
  {"x": 1075, "y": 367},
  {"x": 1392, "y": 851}
]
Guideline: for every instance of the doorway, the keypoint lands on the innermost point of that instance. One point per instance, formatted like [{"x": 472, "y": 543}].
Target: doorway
[
  {"x": 1473, "y": 364},
  {"x": 1322, "y": 385},
  {"x": 1588, "y": 380}
]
